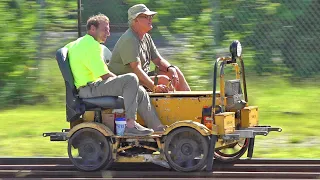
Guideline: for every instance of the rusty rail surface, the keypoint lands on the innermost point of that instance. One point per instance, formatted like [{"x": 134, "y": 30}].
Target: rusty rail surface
[{"x": 253, "y": 169}]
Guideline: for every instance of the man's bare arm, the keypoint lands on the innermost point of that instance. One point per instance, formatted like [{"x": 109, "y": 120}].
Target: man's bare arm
[
  {"x": 162, "y": 63},
  {"x": 143, "y": 77},
  {"x": 165, "y": 66}
]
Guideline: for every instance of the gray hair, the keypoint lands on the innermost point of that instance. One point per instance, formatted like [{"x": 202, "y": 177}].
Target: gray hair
[{"x": 130, "y": 22}]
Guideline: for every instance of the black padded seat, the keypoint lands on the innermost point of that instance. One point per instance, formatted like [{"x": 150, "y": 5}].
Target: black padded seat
[
  {"x": 75, "y": 106},
  {"x": 104, "y": 102}
]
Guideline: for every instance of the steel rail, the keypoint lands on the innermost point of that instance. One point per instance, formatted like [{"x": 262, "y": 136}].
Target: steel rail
[
  {"x": 152, "y": 167},
  {"x": 158, "y": 174},
  {"x": 66, "y": 161},
  {"x": 253, "y": 169}
]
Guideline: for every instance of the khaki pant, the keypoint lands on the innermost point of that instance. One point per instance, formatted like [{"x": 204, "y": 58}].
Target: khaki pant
[{"x": 135, "y": 97}]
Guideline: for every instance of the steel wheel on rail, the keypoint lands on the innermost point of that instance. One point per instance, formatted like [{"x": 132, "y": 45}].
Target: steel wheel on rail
[
  {"x": 186, "y": 149},
  {"x": 89, "y": 150},
  {"x": 233, "y": 152}
]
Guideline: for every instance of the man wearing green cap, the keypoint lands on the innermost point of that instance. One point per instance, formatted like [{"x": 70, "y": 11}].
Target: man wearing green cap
[{"x": 135, "y": 50}]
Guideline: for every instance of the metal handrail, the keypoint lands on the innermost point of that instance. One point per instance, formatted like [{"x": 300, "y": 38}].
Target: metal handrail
[{"x": 213, "y": 138}]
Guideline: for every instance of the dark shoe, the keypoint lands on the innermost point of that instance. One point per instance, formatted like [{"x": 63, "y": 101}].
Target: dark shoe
[{"x": 137, "y": 130}]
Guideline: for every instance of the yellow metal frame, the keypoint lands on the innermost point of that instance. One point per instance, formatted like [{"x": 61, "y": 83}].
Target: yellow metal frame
[
  {"x": 169, "y": 107},
  {"x": 97, "y": 126},
  {"x": 202, "y": 129},
  {"x": 223, "y": 99}
]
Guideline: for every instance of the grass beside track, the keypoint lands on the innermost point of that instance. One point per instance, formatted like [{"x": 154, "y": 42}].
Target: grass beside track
[{"x": 295, "y": 108}]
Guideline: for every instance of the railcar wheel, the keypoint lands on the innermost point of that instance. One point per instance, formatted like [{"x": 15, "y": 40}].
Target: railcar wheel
[
  {"x": 89, "y": 150},
  {"x": 232, "y": 153},
  {"x": 186, "y": 149}
]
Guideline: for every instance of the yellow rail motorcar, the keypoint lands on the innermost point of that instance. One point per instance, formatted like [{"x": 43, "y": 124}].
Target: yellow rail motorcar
[{"x": 202, "y": 125}]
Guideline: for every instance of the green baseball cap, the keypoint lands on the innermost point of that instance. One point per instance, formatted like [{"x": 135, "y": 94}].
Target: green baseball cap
[{"x": 138, "y": 9}]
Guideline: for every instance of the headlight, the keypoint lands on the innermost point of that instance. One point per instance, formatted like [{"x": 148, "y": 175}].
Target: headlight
[{"x": 235, "y": 50}]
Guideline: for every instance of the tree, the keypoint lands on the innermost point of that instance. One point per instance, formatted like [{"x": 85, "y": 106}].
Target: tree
[{"x": 17, "y": 48}]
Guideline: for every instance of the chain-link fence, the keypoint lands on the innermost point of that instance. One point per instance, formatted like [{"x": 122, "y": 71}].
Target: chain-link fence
[
  {"x": 279, "y": 36},
  {"x": 280, "y": 51}
]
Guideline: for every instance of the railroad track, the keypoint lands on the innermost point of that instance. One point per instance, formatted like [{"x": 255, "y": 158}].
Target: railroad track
[{"x": 254, "y": 169}]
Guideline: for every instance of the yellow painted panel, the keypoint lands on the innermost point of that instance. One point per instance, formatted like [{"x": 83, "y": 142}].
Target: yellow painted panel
[
  {"x": 88, "y": 116},
  {"x": 225, "y": 122},
  {"x": 249, "y": 116},
  {"x": 173, "y": 109}
]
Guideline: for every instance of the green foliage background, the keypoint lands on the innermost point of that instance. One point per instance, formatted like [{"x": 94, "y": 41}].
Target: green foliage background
[
  {"x": 17, "y": 47},
  {"x": 279, "y": 37}
]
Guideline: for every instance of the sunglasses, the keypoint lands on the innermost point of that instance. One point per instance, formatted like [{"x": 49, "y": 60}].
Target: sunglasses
[{"x": 145, "y": 16}]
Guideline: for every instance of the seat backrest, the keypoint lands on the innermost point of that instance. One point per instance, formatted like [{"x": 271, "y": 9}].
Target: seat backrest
[{"x": 74, "y": 106}]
